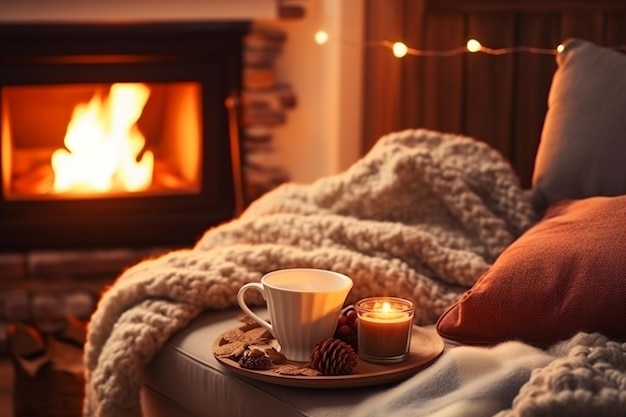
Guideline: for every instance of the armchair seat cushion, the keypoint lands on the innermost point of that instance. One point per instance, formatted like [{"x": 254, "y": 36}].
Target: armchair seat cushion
[{"x": 184, "y": 379}]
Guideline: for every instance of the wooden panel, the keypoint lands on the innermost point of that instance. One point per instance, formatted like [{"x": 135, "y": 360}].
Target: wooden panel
[
  {"x": 489, "y": 82},
  {"x": 382, "y": 98},
  {"x": 531, "y": 87},
  {"x": 615, "y": 29},
  {"x": 412, "y": 67},
  {"x": 588, "y": 25},
  {"x": 522, "y": 5},
  {"x": 501, "y": 100},
  {"x": 442, "y": 86}
]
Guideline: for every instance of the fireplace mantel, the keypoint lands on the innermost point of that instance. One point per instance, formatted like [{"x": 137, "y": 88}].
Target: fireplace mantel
[{"x": 80, "y": 11}]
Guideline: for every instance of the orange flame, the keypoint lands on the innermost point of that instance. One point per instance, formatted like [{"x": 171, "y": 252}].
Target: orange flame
[{"x": 103, "y": 144}]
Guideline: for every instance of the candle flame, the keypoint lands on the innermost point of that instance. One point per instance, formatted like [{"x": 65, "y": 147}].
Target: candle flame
[{"x": 386, "y": 308}]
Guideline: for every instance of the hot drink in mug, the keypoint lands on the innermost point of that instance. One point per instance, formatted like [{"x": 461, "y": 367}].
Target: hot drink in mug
[{"x": 303, "y": 304}]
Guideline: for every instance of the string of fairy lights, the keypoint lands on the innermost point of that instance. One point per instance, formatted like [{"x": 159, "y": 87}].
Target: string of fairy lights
[{"x": 400, "y": 49}]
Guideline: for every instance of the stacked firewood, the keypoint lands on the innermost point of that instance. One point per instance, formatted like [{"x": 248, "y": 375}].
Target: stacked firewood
[
  {"x": 265, "y": 102},
  {"x": 48, "y": 366}
]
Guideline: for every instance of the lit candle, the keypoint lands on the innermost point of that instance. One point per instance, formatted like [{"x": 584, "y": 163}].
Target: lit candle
[{"x": 384, "y": 329}]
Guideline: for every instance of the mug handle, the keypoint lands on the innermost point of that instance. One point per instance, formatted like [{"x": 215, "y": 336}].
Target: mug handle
[{"x": 246, "y": 309}]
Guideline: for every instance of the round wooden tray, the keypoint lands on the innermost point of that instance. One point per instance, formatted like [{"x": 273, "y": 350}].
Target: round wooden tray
[{"x": 426, "y": 346}]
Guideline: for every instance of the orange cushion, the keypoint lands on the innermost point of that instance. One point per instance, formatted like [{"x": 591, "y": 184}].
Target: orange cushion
[{"x": 564, "y": 275}]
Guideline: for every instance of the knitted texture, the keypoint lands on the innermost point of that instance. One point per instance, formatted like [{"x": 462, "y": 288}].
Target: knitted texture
[
  {"x": 587, "y": 379},
  {"x": 421, "y": 216}
]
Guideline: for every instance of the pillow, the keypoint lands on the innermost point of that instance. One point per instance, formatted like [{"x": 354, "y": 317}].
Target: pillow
[
  {"x": 583, "y": 141},
  {"x": 565, "y": 274}
]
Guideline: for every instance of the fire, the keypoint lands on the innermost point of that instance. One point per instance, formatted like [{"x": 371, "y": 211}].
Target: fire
[{"x": 103, "y": 144}]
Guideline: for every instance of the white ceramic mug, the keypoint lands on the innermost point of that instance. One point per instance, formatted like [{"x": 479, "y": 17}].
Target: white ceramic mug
[{"x": 304, "y": 305}]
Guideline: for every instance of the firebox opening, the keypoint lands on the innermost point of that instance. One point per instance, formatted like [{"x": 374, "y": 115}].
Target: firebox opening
[
  {"x": 181, "y": 135},
  {"x": 78, "y": 141}
]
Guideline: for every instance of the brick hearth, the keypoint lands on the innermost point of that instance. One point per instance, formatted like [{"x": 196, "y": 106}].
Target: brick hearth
[{"x": 37, "y": 286}]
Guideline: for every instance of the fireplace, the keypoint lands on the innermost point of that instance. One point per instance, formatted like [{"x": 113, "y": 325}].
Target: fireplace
[{"x": 118, "y": 135}]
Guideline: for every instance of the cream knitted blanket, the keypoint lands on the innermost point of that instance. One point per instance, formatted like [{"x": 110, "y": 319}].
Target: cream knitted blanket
[
  {"x": 422, "y": 216},
  {"x": 582, "y": 376}
]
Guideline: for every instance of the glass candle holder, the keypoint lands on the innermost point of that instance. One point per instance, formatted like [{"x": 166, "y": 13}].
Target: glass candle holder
[{"x": 384, "y": 329}]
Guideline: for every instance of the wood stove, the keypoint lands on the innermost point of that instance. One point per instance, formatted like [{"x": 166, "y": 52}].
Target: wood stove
[{"x": 118, "y": 135}]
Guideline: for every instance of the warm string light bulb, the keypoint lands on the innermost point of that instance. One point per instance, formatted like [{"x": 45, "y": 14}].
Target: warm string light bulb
[
  {"x": 473, "y": 45},
  {"x": 400, "y": 49},
  {"x": 321, "y": 37}
]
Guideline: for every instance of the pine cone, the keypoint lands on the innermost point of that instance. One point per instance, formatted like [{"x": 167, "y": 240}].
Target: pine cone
[
  {"x": 333, "y": 357},
  {"x": 255, "y": 359}
]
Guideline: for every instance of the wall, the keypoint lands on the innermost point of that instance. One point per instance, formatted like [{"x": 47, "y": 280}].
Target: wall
[{"x": 322, "y": 134}]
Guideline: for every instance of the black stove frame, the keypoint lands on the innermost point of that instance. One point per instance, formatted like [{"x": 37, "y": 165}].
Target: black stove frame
[{"x": 209, "y": 53}]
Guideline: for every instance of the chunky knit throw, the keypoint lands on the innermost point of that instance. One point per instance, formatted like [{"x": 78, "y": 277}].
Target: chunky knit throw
[
  {"x": 421, "y": 216},
  {"x": 586, "y": 378}
]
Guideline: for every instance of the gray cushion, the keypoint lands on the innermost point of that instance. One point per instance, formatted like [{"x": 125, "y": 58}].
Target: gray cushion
[
  {"x": 185, "y": 379},
  {"x": 582, "y": 151}
]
